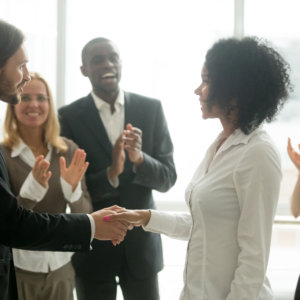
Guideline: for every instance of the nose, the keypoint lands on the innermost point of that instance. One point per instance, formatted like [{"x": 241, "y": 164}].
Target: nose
[
  {"x": 26, "y": 76},
  {"x": 198, "y": 90},
  {"x": 108, "y": 63}
]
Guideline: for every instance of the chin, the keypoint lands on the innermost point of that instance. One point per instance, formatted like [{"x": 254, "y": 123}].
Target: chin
[{"x": 11, "y": 99}]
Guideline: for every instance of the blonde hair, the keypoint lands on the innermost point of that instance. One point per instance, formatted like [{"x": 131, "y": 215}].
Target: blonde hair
[{"x": 51, "y": 128}]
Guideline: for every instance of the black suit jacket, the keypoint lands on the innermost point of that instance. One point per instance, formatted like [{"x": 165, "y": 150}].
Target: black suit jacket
[
  {"x": 80, "y": 121},
  {"x": 25, "y": 229}
]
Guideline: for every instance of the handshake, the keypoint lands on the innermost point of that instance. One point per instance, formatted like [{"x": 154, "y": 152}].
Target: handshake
[{"x": 112, "y": 223}]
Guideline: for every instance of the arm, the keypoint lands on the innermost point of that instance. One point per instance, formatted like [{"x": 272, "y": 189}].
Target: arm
[
  {"x": 158, "y": 169},
  {"x": 26, "y": 229},
  {"x": 257, "y": 181},
  {"x": 21, "y": 228},
  {"x": 174, "y": 225},
  {"x": 295, "y": 200},
  {"x": 35, "y": 185}
]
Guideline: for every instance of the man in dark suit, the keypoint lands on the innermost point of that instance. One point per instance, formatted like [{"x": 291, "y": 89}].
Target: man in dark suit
[
  {"x": 21, "y": 228},
  {"x": 130, "y": 151}
]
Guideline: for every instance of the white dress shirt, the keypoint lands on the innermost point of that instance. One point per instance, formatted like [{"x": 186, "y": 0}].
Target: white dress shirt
[
  {"x": 113, "y": 122},
  {"x": 232, "y": 199},
  {"x": 40, "y": 261}
]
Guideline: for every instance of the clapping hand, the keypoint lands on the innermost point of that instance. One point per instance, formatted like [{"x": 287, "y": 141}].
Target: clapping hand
[
  {"x": 294, "y": 155},
  {"x": 118, "y": 158},
  {"x": 40, "y": 171},
  {"x": 74, "y": 173},
  {"x": 133, "y": 144}
]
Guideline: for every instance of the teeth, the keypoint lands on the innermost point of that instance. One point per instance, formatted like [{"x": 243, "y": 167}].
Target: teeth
[
  {"x": 33, "y": 114},
  {"x": 108, "y": 75}
]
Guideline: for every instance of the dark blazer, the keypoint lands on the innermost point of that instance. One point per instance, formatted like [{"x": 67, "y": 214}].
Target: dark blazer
[
  {"x": 25, "y": 229},
  {"x": 80, "y": 121}
]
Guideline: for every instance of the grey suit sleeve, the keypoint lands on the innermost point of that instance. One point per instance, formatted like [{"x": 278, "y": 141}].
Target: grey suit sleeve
[{"x": 158, "y": 170}]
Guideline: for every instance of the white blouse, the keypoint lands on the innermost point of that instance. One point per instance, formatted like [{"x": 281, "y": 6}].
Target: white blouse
[{"x": 232, "y": 199}]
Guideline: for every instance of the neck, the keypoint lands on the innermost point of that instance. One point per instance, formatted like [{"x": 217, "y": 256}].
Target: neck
[
  {"x": 33, "y": 138},
  {"x": 228, "y": 127},
  {"x": 108, "y": 97}
]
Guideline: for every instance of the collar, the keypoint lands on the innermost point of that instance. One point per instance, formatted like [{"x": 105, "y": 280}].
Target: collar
[
  {"x": 22, "y": 147},
  {"x": 236, "y": 138},
  {"x": 101, "y": 103}
]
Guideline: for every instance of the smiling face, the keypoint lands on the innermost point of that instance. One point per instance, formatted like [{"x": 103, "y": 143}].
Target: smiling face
[
  {"x": 13, "y": 77},
  {"x": 33, "y": 110},
  {"x": 203, "y": 92},
  {"x": 102, "y": 66}
]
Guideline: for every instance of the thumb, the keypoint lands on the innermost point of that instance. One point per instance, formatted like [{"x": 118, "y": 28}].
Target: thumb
[{"x": 129, "y": 126}]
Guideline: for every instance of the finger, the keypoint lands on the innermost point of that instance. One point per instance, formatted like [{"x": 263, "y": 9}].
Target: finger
[
  {"x": 76, "y": 157},
  {"x": 62, "y": 164},
  {"x": 115, "y": 209},
  {"x": 116, "y": 217},
  {"x": 48, "y": 176},
  {"x": 129, "y": 126}
]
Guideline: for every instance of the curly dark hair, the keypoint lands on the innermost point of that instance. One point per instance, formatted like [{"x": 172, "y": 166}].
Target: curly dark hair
[{"x": 251, "y": 73}]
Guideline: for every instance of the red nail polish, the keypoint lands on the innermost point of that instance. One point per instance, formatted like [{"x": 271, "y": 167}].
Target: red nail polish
[{"x": 106, "y": 218}]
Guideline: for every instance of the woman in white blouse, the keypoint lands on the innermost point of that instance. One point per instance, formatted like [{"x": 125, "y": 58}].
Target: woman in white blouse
[
  {"x": 46, "y": 172},
  {"x": 233, "y": 194}
]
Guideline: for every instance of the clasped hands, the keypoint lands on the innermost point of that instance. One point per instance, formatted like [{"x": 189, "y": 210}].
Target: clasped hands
[{"x": 113, "y": 222}]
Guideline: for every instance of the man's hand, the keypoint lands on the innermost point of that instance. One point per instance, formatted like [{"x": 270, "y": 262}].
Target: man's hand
[
  {"x": 118, "y": 158},
  {"x": 133, "y": 217},
  {"x": 294, "y": 156},
  {"x": 115, "y": 230},
  {"x": 133, "y": 144},
  {"x": 74, "y": 173},
  {"x": 40, "y": 171}
]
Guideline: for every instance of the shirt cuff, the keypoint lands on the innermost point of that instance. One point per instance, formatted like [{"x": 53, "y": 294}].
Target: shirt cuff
[
  {"x": 114, "y": 183},
  {"x": 67, "y": 191},
  {"x": 93, "y": 228},
  {"x": 32, "y": 190}
]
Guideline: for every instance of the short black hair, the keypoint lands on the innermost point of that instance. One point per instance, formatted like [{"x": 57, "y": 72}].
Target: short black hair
[
  {"x": 251, "y": 73},
  {"x": 11, "y": 38},
  {"x": 89, "y": 44}
]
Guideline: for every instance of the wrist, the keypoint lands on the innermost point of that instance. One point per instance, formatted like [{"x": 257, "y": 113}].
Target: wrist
[
  {"x": 146, "y": 216},
  {"x": 112, "y": 173},
  {"x": 140, "y": 160}
]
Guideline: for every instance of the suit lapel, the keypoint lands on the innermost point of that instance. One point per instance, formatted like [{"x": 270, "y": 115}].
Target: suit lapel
[
  {"x": 92, "y": 120},
  {"x": 130, "y": 117},
  {"x": 129, "y": 109},
  {"x": 4, "y": 180}
]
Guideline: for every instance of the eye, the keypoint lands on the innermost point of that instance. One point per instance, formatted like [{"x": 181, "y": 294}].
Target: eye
[
  {"x": 114, "y": 58},
  {"x": 25, "y": 98},
  {"x": 98, "y": 59},
  {"x": 41, "y": 98}
]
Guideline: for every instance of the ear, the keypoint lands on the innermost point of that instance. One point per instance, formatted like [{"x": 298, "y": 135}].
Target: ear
[{"x": 83, "y": 71}]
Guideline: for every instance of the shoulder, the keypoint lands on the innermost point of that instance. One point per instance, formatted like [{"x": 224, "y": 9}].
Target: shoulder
[
  {"x": 141, "y": 99},
  {"x": 5, "y": 150},
  {"x": 261, "y": 150},
  {"x": 74, "y": 107}
]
